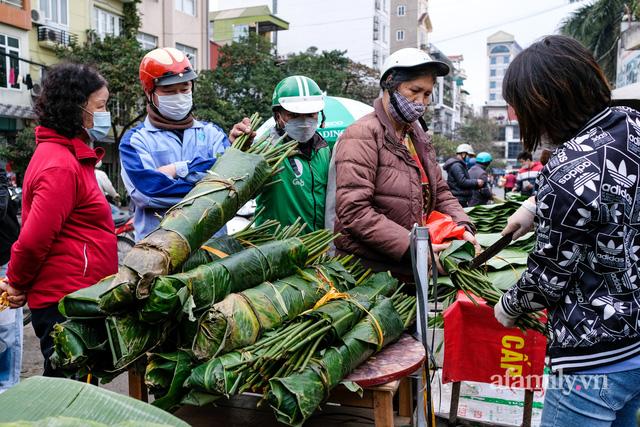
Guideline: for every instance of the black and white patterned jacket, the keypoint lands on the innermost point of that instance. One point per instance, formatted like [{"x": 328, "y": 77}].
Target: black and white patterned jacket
[{"x": 584, "y": 268}]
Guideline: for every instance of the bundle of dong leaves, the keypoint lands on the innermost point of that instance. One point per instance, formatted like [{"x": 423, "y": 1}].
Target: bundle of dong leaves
[
  {"x": 107, "y": 343},
  {"x": 487, "y": 282},
  {"x": 492, "y": 218}
]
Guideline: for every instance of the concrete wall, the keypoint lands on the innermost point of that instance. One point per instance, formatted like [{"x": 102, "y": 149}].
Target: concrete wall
[{"x": 160, "y": 18}]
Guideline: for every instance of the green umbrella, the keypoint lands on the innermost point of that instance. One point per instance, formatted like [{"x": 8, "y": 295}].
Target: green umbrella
[{"x": 339, "y": 112}]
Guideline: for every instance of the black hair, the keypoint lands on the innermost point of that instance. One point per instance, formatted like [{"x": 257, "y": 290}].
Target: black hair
[
  {"x": 524, "y": 155},
  {"x": 65, "y": 89},
  {"x": 555, "y": 87}
]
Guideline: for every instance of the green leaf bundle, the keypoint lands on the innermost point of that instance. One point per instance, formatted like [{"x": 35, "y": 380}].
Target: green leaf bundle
[
  {"x": 210, "y": 283},
  {"x": 295, "y": 397},
  {"x": 233, "y": 180},
  {"x": 252, "y": 366},
  {"x": 240, "y": 318}
]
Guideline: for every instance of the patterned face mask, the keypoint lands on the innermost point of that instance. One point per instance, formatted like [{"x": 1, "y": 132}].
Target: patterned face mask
[{"x": 404, "y": 111}]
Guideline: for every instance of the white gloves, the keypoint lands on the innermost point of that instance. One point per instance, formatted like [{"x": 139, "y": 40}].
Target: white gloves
[
  {"x": 521, "y": 222},
  {"x": 502, "y": 317}
]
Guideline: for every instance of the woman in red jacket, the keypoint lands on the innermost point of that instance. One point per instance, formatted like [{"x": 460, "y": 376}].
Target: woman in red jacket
[{"x": 67, "y": 240}]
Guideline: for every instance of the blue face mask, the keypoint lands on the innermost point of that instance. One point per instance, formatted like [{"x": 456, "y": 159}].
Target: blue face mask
[{"x": 101, "y": 125}]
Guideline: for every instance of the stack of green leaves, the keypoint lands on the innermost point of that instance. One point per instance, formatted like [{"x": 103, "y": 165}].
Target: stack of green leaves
[
  {"x": 210, "y": 283},
  {"x": 492, "y": 218},
  {"x": 296, "y": 396},
  {"x": 233, "y": 180},
  {"x": 239, "y": 319},
  {"x": 290, "y": 346}
]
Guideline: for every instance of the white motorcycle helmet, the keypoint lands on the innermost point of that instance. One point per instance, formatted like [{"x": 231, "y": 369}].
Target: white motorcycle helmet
[
  {"x": 465, "y": 148},
  {"x": 411, "y": 57}
]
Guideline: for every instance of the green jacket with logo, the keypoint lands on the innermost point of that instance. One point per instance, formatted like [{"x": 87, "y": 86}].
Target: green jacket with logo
[{"x": 301, "y": 190}]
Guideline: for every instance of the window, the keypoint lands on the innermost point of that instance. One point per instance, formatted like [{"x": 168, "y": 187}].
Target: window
[
  {"x": 492, "y": 97},
  {"x": 385, "y": 38},
  {"x": 400, "y": 35},
  {"x": 505, "y": 59},
  {"x": 516, "y": 132},
  {"x": 492, "y": 85},
  {"x": 55, "y": 11},
  {"x": 513, "y": 149},
  {"x": 106, "y": 23},
  {"x": 376, "y": 58},
  {"x": 492, "y": 72},
  {"x": 186, "y": 6},
  {"x": 502, "y": 134},
  {"x": 9, "y": 67},
  {"x": 240, "y": 32},
  {"x": 147, "y": 41},
  {"x": 493, "y": 60},
  {"x": 402, "y": 10},
  {"x": 500, "y": 49},
  {"x": 191, "y": 52}
]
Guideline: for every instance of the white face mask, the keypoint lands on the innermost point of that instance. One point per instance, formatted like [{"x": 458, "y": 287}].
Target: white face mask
[
  {"x": 175, "y": 107},
  {"x": 301, "y": 129}
]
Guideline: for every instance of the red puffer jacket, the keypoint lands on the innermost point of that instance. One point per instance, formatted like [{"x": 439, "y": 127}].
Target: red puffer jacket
[{"x": 67, "y": 240}]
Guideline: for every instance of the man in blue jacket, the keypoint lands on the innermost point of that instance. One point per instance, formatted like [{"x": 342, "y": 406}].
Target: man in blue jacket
[{"x": 166, "y": 155}]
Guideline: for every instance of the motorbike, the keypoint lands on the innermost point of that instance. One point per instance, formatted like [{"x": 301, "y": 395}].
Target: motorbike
[{"x": 123, "y": 221}]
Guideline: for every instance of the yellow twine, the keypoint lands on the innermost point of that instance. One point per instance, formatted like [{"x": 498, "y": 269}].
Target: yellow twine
[
  {"x": 214, "y": 251},
  {"x": 334, "y": 294},
  {"x": 515, "y": 272}
]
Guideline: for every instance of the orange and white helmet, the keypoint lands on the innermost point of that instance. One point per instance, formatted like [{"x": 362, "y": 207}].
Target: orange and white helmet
[{"x": 165, "y": 66}]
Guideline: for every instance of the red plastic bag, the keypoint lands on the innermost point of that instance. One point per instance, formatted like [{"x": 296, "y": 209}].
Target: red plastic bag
[{"x": 442, "y": 228}]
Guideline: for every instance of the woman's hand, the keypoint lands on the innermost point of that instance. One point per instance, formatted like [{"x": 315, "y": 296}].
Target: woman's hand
[
  {"x": 521, "y": 222},
  {"x": 467, "y": 236},
  {"x": 437, "y": 248},
  {"x": 16, "y": 297}
]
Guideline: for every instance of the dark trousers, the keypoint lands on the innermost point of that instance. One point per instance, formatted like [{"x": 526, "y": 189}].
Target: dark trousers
[{"x": 43, "y": 320}]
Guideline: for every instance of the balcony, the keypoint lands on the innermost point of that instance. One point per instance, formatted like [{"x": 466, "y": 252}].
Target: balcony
[{"x": 52, "y": 38}]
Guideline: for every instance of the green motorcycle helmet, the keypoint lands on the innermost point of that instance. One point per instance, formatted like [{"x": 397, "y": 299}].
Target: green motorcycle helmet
[{"x": 298, "y": 94}]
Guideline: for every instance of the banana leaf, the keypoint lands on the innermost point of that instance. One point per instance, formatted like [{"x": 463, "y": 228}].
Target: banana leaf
[
  {"x": 210, "y": 283},
  {"x": 220, "y": 376},
  {"x": 84, "y": 303},
  {"x": 295, "y": 397},
  {"x": 129, "y": 339},
  {"x": 212, "y": 250},
  {"x": 239, "y": 319},
  {"x": 38, "y": 398},
  {"x": 165, "y": 376},
  {"x": 234, "y": 178},
  {"x": 78, "y": 342}
]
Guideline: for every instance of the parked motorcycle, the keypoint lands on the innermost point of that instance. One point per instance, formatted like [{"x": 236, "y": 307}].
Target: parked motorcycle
[{"x": 123, "y": 221}]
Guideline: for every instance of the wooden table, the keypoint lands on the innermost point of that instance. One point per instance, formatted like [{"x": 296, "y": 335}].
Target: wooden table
[{"x": 381, "y": 376}]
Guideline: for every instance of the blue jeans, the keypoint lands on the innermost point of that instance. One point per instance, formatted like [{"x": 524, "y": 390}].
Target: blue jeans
[
  {"x": 592, "y": 400},
  {"x": 10, "y": 344}
]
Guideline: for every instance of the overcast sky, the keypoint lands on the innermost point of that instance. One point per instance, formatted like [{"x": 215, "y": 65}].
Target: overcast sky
[{"x": 462, "y": 27}]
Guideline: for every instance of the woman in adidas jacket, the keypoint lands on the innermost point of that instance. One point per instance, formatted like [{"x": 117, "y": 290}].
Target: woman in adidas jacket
[{"x": 584, "y": 268}]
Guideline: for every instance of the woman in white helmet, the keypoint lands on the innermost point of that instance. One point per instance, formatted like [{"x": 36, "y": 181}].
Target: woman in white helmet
[{"x": 386, "y": 175}]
